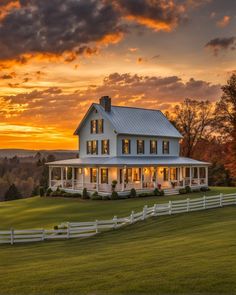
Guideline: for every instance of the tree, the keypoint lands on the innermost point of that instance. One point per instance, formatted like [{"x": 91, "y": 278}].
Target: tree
[
  {"x": 226, "y": 118},
  {"x": 12, "y": 193},
  {"x": 194, "y": 120}
]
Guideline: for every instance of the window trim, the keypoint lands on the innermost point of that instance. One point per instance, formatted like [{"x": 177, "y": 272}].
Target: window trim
[{"x": 108, "y": 147}]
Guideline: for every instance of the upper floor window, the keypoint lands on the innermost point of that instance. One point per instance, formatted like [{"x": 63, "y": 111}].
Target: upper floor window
[
  {"x": 126, "y": 146},
  {"x": 92, "y": 147},
  {"x": 105, "y": 147},
  {"x": 93, "y": 126},
  {"x": 153, "y": 147},
  {"x": 140, "y": 146},
  {"x": 96, "y": 126},
  {"x": 165, "y": 147}
]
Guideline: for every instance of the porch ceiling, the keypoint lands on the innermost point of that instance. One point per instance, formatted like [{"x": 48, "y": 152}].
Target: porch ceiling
[{"x": 129, "y": 161}]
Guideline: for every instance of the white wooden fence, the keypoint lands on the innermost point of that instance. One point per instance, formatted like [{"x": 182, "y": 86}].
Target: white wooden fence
[{"x": 86, "y": 229}]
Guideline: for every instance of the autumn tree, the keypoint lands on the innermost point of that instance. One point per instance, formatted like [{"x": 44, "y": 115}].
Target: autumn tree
[{"x": 193, "y": 119}]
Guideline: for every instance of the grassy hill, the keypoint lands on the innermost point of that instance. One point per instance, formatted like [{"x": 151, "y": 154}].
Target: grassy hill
[
  {"x": 188, "y": 254},
  {"x": 46, "y": 212}
]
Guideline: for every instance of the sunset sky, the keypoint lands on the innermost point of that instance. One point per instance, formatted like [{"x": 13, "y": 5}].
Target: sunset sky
[{"x": 59, "y": 56}]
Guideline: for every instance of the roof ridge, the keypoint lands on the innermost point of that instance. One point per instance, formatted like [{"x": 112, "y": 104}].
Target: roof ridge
[{"x": 130, "y": 107}]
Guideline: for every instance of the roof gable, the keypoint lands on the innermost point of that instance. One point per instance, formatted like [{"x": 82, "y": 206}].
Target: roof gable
[{"x": 135, "y": 121}]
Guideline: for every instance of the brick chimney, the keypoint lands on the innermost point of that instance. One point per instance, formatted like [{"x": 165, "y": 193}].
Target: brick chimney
[{"x": 105, "y": 102}]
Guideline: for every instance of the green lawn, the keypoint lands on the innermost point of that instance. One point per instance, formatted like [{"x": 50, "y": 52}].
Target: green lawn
[
  {"x": 192, "y": 253},
  {"x": 46, "y": 212}
]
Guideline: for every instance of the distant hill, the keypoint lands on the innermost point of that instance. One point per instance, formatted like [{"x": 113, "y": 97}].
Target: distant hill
[{"x": 23, "y": 153}]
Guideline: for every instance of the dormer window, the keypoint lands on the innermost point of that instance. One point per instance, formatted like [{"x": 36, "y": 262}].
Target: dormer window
[
  {"x": 153, "y": 147},
  {"x": 100, "y": 126},
  {"x": 126, "y": 146},
  {"x": 165, "y": 147},
  {"x": 105, "y": 147},
  {"x": 140, "y": 146}
]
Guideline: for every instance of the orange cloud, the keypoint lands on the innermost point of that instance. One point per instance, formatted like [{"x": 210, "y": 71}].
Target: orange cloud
[
  {"x": 112, "y": 38},
  {"x": 224, "y": 21},
  {"x": 5, "y": 9}
]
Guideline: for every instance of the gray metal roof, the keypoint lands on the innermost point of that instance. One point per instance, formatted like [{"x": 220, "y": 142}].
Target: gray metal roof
[
  {"x": 136, "y": 121},
  {"x": 129, "y": 161}
]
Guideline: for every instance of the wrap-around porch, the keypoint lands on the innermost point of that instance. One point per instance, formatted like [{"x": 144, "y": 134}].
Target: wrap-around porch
[{"x": 100, "y": 179}]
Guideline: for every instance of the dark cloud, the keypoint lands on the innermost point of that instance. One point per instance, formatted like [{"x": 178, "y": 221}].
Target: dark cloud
[
  {"x": 218, "y": 44},
  {"x": 56, "y": 26}
]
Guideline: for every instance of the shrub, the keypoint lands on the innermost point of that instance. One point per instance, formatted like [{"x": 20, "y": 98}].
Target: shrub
[
  {"x": 188, "y": 189},
  {"x": 196, "y": 189},
  {"x": 76, "y": 195},
  {"x": 85, "y": 194},
  {"x": 67, "y": 195},
  {"x": 162, "y": 193},
  {"x": 133, "y": 193},
  {"x": 48, "y": 192},
  {"x": 106, "y": 198},
  {"x": 121, "y": 197},
  {"x": 145, "y": 195},
  {"x": 205, "y": 189},
  {"x": 182, "y": 191},
  {"x": 41, "y": 191},
  {"x": 113, "y": 184},
  {"x": 95, "y": 196},
  {"x": 114, "y": 195},
  {"x": 158, "y": 192}
]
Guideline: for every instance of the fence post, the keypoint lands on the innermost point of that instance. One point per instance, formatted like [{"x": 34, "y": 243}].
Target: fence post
[
  {"x": 96, "y": 226},
  {"x": 12, "y": 236},
  {"x": 43, "y": 234},
  {"x": 155, "y": 210},
  {"x": 68, "y": 230},
  {"x": 204, "y": 202},
  {"x": 144, "y": 211},
  {"x": 115, "y": 222},
  {"x": 221, "y": 199},
  {"x": 132, "y": 217},
  {"x": 187, "y": 204},
  {"x": 170, "y": 207}
]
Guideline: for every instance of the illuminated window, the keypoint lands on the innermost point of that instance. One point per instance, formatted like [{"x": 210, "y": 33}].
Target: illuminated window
[
  {"x": 165, "y": 174},
  {"x": 105, "y": 147},
  {"x": 129, "y": 175},
  {"x": 93, "y": 175},
  {"x": 126, "y": 146},
  {"x": 173, "y": 173},
  {"x": 89, "y": 147},
  {"x": 165, "y": 147},
  {"x": 92, "y": 147},
  {"x": 153, "y": 147},
  {"x": 96, "y": 126},
  {"x": 93, "y": 126},
  {"x": 136, "y": 174},
  {"x": 100, "y": 126},
  {"x": 140, "y": 146},
  {"x": 104, "y": 175}
]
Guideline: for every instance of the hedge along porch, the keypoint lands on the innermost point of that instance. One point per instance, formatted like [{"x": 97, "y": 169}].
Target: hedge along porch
[{"x": 144, "y": 177}]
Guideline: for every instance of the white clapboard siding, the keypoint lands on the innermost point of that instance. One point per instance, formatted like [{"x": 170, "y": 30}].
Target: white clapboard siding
[{"x": 86, "y": 229}]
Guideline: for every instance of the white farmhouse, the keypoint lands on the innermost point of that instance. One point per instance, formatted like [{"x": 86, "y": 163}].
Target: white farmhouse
[{"x": 139, "y": 148}]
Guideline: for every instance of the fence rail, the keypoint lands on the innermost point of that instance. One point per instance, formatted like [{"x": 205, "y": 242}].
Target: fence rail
[{"x": 70, "y": 230}]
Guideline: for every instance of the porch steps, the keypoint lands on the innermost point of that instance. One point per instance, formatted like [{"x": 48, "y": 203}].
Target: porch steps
[{"x": 171, "y": 192}]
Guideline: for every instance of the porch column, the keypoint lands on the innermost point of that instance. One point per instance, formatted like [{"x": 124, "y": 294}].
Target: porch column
[
  {"x": 62, "y": 177},
  {"x": 178, "y": 175},
  {"x": 97, "y": 178},
  {"x": 123, "y": 178},
  {"x": 66, "y": 169},
  {"x": 169, "y": 174},
  {"x": 141, "y": 180},
  {"x": 183, "y": 175},
  {"x": 82, "y": 170},
  {"x": 190, "y": 175},
  {"x": 198, "y": 175},
  {"x": 206, "y": 175},
  {"x": 50, "y": 177},
  {"x": 73, "y": 178},
  {"x": 155, "y": 173}
]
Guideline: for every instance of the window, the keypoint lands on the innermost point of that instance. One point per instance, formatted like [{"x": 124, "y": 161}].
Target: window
[
  {"x": 96, "y": 126},
  {"x": 165, "y": 147},
  {"x": 105, "y": 147},
  {"x": 104, "y": 175},
  {"x": 194, "y": 172},
  {"x": 93, "y": 126},
  {"x": 92, "y": 147},
  {"x": 187, "y": 172},
  {"x": 93, "y": 175},
  {"x": 136, "y": 174},
  {"x": 126, "y": 146},
  {"x": 140, "y": 146},
  {"x": 129, "y": 175},
  {"x": 89, "y": 147},
  {"x": 173, "y": 173},
  {"x": 153, "y": 147},
  {"x": 121, "y": 175},
  {"x": 165, "y": 174},
  {"x": 100, "y": 126},
  {"x": 202, "y": 171}
]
